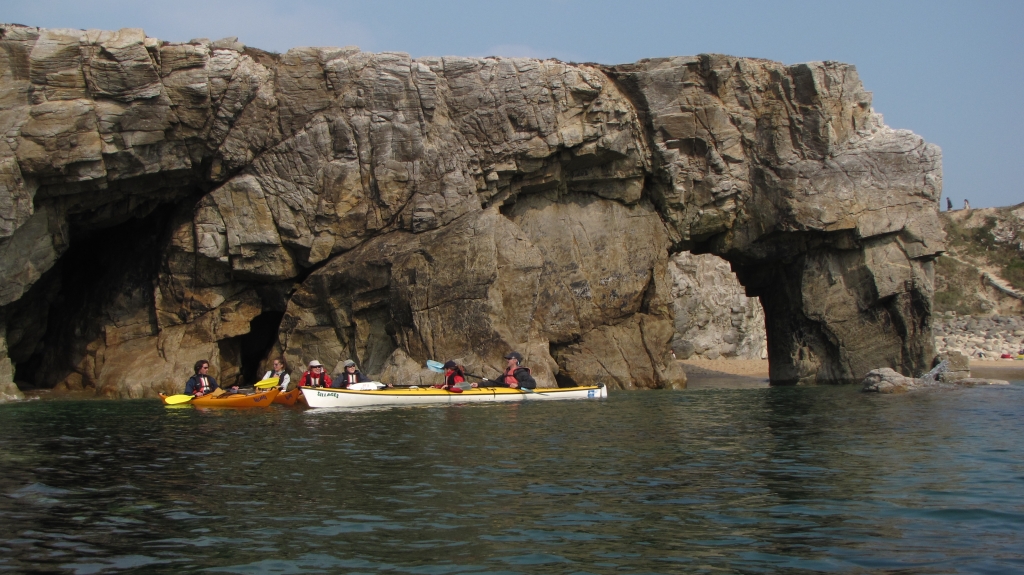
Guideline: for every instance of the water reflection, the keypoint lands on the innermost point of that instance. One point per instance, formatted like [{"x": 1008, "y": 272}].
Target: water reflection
[{"x": 719, "y": 480}]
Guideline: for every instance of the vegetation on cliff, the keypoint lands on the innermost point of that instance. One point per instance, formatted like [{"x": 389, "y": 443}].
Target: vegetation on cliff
[{"x": 982, "y": 271}]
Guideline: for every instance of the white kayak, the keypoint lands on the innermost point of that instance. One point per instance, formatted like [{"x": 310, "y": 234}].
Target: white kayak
[{"x": 327, "y": 397}]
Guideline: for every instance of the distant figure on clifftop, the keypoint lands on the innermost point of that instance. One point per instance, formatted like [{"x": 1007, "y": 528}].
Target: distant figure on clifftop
[
  {"x": 967, "y": 205},
  {"x": 949, "y": 204}
]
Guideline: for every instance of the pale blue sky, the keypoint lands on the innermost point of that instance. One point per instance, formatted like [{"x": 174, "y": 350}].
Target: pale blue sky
[{"x": 950, "y": 71}]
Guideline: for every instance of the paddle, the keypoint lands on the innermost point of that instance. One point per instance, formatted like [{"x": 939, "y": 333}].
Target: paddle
[
  {"x": 267, "y": 383},
  {"x": 176, "y": 399}
]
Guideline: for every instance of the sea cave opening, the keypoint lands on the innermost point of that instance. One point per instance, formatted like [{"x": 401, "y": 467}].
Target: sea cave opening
[
  {"x": 100, "y": 288},
  {"x": 255, "y": 347}
]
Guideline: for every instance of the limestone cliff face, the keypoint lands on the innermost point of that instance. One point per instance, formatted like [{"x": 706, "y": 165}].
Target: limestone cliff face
[{"x": 227, "y": 203}]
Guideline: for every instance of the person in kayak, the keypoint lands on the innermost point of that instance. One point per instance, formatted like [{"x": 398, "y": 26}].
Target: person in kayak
[
  {"x": 201, "y": 383},
  {"x": 349, "y": 375},
  {"x": 454, "y": 375},
  {"x": 315, "y": 376},
  {"x": 280, "y": 371},
  {"x": 515, "y": 376}
]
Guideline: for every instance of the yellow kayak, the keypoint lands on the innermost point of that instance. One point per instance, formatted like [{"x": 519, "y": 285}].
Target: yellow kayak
[{"x": 260, "y": 399}]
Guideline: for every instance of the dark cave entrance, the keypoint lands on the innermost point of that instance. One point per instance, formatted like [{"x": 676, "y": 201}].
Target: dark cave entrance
[
  {"x": 255, "y": 346},
  {"x": 105, "y": 273}
]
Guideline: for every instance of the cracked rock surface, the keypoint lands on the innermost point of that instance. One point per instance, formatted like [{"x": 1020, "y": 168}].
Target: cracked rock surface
[{"x": 226, "y": 203}]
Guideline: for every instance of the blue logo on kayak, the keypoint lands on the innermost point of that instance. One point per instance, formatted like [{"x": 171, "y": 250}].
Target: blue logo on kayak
[{"x": 590, "y": 393}]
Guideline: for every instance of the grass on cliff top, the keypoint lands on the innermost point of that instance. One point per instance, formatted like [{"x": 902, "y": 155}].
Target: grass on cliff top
[
  {"x": 979, "y": 245},
  {"x": 956, "y": 288}
]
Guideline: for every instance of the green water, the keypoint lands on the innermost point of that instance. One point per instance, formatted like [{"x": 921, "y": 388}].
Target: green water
[{"x": 782, "y": 480}]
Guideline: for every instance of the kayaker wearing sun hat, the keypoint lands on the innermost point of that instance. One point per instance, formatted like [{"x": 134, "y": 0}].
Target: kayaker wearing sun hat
[
  {"x": 349, "y": 375},
  {"x": 315, "y": 376}
]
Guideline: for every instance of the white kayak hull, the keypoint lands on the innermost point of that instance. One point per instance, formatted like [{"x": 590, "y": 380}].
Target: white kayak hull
[{"x": 326, "y": 397}]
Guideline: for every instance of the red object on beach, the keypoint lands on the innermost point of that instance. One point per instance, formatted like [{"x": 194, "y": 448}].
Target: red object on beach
[{"x": 1006, "y": 356}]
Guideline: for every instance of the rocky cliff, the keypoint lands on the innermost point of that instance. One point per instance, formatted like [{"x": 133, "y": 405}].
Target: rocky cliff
[{"x": 163, "y": 202}]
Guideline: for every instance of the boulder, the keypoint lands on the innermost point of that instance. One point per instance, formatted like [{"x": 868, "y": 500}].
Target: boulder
[{"x": 887, "y": 380}]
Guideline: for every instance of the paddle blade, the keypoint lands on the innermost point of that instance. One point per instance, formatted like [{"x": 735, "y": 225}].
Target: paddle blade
[
  {"x": 267, "y": 383},
  {"x": 435, "y": 366},
  {"x": 176, "y": 399}
]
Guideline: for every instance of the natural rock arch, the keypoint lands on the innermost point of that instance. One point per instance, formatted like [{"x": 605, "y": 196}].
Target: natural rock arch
[{"x": 394, "y": 210}]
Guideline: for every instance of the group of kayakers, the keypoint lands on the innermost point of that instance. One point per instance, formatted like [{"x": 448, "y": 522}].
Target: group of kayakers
[{"x": 514, "y": 376}]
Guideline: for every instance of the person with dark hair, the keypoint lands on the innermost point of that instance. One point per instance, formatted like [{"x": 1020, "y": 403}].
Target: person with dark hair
[
  {"x": 454, "y": 376},
  {"x": 315, "y": 376},
  {"x": 201, "y": 383},
  {"x": 280, "y": 371},
  {"x": 514, "y": 376},
  {"x": 949, "y": 204},
  {"x": 349, "y": 375}
]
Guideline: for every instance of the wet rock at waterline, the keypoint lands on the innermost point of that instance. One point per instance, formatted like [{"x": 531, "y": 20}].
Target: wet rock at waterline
[
  {"x": 328, "y": 203},
  {"x": 951, "y": 371}
]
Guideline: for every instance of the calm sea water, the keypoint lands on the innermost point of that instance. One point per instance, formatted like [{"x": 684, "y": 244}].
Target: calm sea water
[{"x": 716, "y": 481}]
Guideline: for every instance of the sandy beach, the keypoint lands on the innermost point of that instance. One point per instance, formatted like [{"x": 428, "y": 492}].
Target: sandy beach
[
  {"x": 1010, "y": 370},
  {"x": 725, "y": 373}
]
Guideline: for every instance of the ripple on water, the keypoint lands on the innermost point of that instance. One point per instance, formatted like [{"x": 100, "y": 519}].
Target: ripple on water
[{"x": 756, "y": 480}]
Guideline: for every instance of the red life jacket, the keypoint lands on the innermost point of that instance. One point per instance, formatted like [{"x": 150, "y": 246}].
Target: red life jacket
[
  {"x": 204, "y": 384},
  {"x": 309, "y": 380},
  {"x": 509, "y": 377},
  {"x": 453, "y": 377}
]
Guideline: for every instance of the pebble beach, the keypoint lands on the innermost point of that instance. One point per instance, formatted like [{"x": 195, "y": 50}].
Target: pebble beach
[{"x": 983, "y": 338}]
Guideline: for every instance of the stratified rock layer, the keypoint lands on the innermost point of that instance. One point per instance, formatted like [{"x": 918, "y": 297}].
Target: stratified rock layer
[{"x": 329, "y": 203}]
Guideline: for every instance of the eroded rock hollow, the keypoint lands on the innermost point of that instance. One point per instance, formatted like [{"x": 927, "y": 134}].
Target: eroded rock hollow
[{"x": 165, "y": 202}]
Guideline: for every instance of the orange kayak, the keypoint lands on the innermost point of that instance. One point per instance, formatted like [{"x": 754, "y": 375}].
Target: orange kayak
[
  {"x": 290, "y": 397},
  {"x": 261, "y": 399}
]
